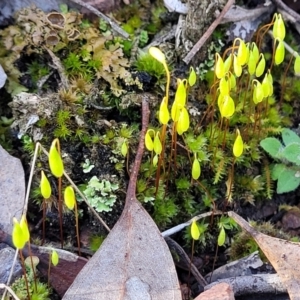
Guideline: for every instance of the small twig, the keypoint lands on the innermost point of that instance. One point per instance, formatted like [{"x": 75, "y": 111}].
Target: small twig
[
  {"x": 7, "y": 288},
  {"x": 288, "y": 10},
  {"x": 183, "y": 225},
  {"x": 138, "y": 158},
  {"x": 113, "y": 25},
  {"x": 208, "y": 33},
  {"x": 184, "y": 261}
]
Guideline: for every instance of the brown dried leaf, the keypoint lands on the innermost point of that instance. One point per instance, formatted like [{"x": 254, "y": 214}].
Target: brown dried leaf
[
  {"x": 282, "y": 254},
  {"x": 134, "y": 261}
]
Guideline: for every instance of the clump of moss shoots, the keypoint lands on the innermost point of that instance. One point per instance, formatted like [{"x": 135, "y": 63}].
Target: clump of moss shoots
[{"x": 213, "y": 150}]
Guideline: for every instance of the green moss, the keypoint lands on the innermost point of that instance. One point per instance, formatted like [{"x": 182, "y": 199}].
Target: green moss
[
  {"x": 37, "y": 70},
  {"x": 95, "y": 242},
  {"x": 62, "y": 117},
  {"x": 62, "y": 131},
  {"x": 147, "y": 63},
  {"x": 41, "y": 292},
  {"x": 28, "y": 144},
  {"x": 243, "y": 244}
]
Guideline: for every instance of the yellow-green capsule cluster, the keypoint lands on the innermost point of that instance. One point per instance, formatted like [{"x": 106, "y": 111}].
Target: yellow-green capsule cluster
[
  {"x": 227, "y": 83},
  {"x": 279, "y": 35},
  {"x": 153, "y": 144},
  {"x": 179, "y": 115}
]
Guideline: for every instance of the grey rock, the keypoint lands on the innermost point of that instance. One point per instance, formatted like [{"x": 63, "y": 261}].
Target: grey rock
[{"x": 6, "y": 260}]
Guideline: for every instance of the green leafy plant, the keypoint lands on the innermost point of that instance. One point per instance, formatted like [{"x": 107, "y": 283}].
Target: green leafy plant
[{"x": 286, "y": 169}]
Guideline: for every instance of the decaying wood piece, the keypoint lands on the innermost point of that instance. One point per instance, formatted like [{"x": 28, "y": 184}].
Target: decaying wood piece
[
  {"x": 282, "y": 254},
  {"x": 253, "y": 285},
  {"x": 240, "y": 267},
  {"x": 134, "y": 261},
  {"x": 199, "y": 30},
  {"x": 237, "y": 13}
]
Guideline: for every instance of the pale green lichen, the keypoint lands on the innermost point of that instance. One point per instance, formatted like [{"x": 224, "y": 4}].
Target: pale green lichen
[{"x": 100, "y": 194}]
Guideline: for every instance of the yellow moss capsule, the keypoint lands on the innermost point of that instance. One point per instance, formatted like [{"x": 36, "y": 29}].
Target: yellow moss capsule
[
  {"x": 55, "y": 160},
  {"x": 232, "y": 82},
  {"x": 224, "y": 86},
  {"x": 45, "y": 186},
  {"x": 258, "y": 92},
  {"x": 260, "y": 66},
  {"x": 183, "y": 123},
  {"x": 54, "y": 258},
  {"x": 297, "y": 65},
  {"x": 221, "y": 237},
  {"x": 18, "y": 238},
  {"x": 148, "y": 139},
  {"x": 24, "y": 227},
  {"x": 242, "y": 53},
  {"x": 180, "y": 100},
  {"x": 227, "y": 107},
  {"x": 275, "y": 26},
  {"x": 237, "y": 68},
  {"x": 155, "y": 160},
  {"x": 255, "y": 52},
  {"x": 124, "y": 149},
  {"x": 266, "y": 86},
  {"x": 220, "y": 100},
  {"x": 175, "y": 110},
  {"x": 164, "y": 115},
  {"x": 251, "y": 64},
  {"x": 228, "y": 63},
  {"x": 278, "y": 27},
  {"x": 157, "y": 146},
  {"x": 180, "y": 95},
  {"x": 238, "y": 146},
  {"x": 157, "y": 54},
  {"x": 279, "y": 53},
  {"x": 219, "y": 67},
  {"x": 195, "y": 232},
  {"x": 69, "y": 197},
  {"x": 270, "y": 79},
  {"x": 192, "y": 77},
  {"x": 247, "y": 52},
  {"x": 196, "y": 169}
]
